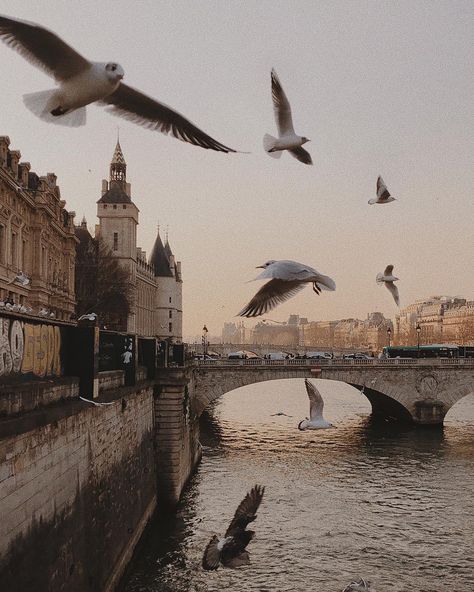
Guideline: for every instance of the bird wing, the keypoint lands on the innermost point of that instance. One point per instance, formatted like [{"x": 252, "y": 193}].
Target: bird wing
[
  {"x": 212, "y": 555},
  {"x": 42, "y": 48},
  {"x": 316, "y": 402},
  {"x": 388, "y": 270},
  {"x": 270, "y": 295},
  {"x": 382, "y": 191},
  {"x": 301, "y": 154},
  {"x": 246, "y": 510},
  {"x": 137, "y": 107},
  {"x": 392, "y": 288},
  {"x": 281, "y": 107},
  {"x": 288, "y": 270}
]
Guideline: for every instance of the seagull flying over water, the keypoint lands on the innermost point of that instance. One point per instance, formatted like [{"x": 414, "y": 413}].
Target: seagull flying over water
[
  {"x": 383, "y": 194},
  {"x": 388, "y": 278},
  {"x": 287, "y": 137},
  {"x": 316, "y": 420},
  {"x": 287, "y": 278},
  {"x": 82, "y": 82},
  {"x": 230, "y": 550},
  {"x": 360, "y": 585}
]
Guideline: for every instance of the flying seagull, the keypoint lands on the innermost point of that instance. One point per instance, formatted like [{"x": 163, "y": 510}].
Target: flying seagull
[
  {"x": 92, "y": 316},
  {"x": 287, "y": 137},
  {"x": 287, "y": 278},
  {"x": 230, "y": 550},
  {"x": 316, "y": 420},
  {"x": 383, "y": 194},
  {"x": 359, "y": 585},
  {"x": 82, "y": 82},
  {"x": 388, "y": 278}
]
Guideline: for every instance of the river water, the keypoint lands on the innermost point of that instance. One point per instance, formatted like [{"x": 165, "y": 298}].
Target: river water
[{"x": 387, "y": 502}]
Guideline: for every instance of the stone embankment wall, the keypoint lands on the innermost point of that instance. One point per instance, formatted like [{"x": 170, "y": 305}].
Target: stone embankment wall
[{"x": 77, "y": 485}]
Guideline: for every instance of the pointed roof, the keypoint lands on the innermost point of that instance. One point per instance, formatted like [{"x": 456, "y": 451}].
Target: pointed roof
[
  {"x": 118, "y": 157},
  {"x": 160, "y": 259}
]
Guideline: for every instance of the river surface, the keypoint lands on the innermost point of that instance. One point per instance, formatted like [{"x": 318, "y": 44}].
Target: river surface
[{"x": 390, "y": 503}]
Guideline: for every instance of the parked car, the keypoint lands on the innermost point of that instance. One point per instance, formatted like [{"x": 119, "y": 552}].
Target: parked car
[
  {"x": 318, "y": 355},
  {"x": 357, "y": 356}
]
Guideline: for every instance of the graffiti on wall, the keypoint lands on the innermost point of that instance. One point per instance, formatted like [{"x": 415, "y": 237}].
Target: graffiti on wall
[{"x": 27, "y": 348}]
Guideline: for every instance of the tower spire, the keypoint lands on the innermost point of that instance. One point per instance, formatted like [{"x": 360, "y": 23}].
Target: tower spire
[{"x": 118, "y": 166}]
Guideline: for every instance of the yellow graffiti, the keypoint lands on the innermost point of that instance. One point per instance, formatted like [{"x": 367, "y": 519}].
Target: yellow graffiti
[{"x": 42, "y": 348}]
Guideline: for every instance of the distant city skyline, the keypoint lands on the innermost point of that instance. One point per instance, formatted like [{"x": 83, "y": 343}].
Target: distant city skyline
[{"x": 380, "y": 89}]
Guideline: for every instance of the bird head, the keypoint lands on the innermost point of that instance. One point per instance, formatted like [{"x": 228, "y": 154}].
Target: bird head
[
  {"x": 114, "y": 71},
  {"x": 266, "y": 264},
  {"x": 304, "y": 140}
]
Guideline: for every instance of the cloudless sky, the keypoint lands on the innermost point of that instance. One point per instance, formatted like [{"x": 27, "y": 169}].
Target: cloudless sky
[{"x": 379, "y": 87}]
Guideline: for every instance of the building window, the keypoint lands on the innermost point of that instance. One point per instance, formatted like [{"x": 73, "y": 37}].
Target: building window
[
  {"x": 114, "y": 206},
  {"x": 170, "y": 327},
  {"x": 170, "y": 314},
  {"x": 124, "y": 207},
  {"x": 115, "y": 241},
  {"x": 14, "y": 249},
  {"x": 2, "y": 243},
  {"x": 23, "y": 255},
  {"x": 170, "y": 299}
]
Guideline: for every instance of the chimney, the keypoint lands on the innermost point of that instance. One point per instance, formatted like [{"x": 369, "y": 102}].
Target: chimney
[
  {"x": 105, "y": 187},
  {"x": 4, "y": 143},
  {"x": 15, "y": 156},
  {"x": 24, "y": 170}
]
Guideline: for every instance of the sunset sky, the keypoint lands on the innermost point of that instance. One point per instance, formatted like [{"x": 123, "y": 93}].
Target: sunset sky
[{"x": 380, "y": 88}]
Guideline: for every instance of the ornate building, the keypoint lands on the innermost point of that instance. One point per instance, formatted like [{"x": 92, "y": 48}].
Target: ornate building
[
  {"x": 36, "y": 237},
  {"x": 156, "y": 284}
]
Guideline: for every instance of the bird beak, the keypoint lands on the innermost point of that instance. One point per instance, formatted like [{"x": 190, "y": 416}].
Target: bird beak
[{"x": 260, "y": 267}]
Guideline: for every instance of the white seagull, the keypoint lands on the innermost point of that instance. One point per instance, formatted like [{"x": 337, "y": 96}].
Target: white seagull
[
  {"x": 316, "y": 420},
  {"x": 383, "y": 194},
  {"x": 388, "y": 278},
  {"x": 92, "y": 316},
  {"x": 360, "y": 585},
  {"x": 287, "y": 137},
  {"x": 287, "y": 278},
  {"x": 230, "y": 550},
  {"x": 21, "y": 279},
  {"x": 82, "y": 82}
]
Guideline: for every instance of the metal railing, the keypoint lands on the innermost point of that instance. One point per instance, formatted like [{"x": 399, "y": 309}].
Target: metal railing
[{"x": 219, "y": 363}]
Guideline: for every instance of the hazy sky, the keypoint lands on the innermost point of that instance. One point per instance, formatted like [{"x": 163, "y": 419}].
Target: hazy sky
[{"x": 379, "y": 87}]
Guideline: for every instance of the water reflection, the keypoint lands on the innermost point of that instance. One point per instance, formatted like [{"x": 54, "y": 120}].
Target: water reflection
[{"x": 387, "y": 501}]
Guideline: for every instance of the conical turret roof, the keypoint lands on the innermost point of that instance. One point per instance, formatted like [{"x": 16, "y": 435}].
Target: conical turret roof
[{"x": 160, "y": 259}]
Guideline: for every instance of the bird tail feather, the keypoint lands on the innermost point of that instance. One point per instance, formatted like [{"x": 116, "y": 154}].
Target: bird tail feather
[
  {"x": 379, "y": 278},
  {"x": 372, "y": 201},
  {"x": 269, "y": 142},
  {"x": 42, "y": 103}
]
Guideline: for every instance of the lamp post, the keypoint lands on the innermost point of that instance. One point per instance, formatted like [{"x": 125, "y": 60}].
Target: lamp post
[
  {"x": 204, "y": 342},
  {"x": 418, "y": 331},
  {"x": 389, "y": 335}
]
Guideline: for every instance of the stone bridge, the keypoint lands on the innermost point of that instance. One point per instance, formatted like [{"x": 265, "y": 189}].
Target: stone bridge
[{"x": 421, "y": 391}]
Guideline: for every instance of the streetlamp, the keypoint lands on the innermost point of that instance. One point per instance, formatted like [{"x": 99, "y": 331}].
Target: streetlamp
[
  {"x": 204, "y": 342},
  {"x": 389, "y": 335},
  {"x": 418, "y": 331}
]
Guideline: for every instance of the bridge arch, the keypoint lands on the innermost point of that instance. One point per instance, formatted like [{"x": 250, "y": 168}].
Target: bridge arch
[{"x": 413, "y": 391}]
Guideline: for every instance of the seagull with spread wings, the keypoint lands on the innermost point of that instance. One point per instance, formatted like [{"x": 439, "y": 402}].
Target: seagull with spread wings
[
  {"x": 231, "y": 549},
  {"x": 287, "y": 137},
  {"x": 383, "y": 194},
  {"x": 388, "y": 278},
  {"x": 316, "y": 420},
  {"x": 287, "y": 278},
  {"x": 82, "y": 82},
  {"x": 359, "y": 585}
]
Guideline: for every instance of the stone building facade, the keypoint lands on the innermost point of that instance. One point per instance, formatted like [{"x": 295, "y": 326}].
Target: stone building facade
[
  {"x": 36, "y": 237},
  {"x": 156, "y": 283},
  {"x": 442, "y": 319}
]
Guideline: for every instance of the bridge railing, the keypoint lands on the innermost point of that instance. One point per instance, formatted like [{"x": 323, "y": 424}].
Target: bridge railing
[{"x": 339, "y": 362}]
